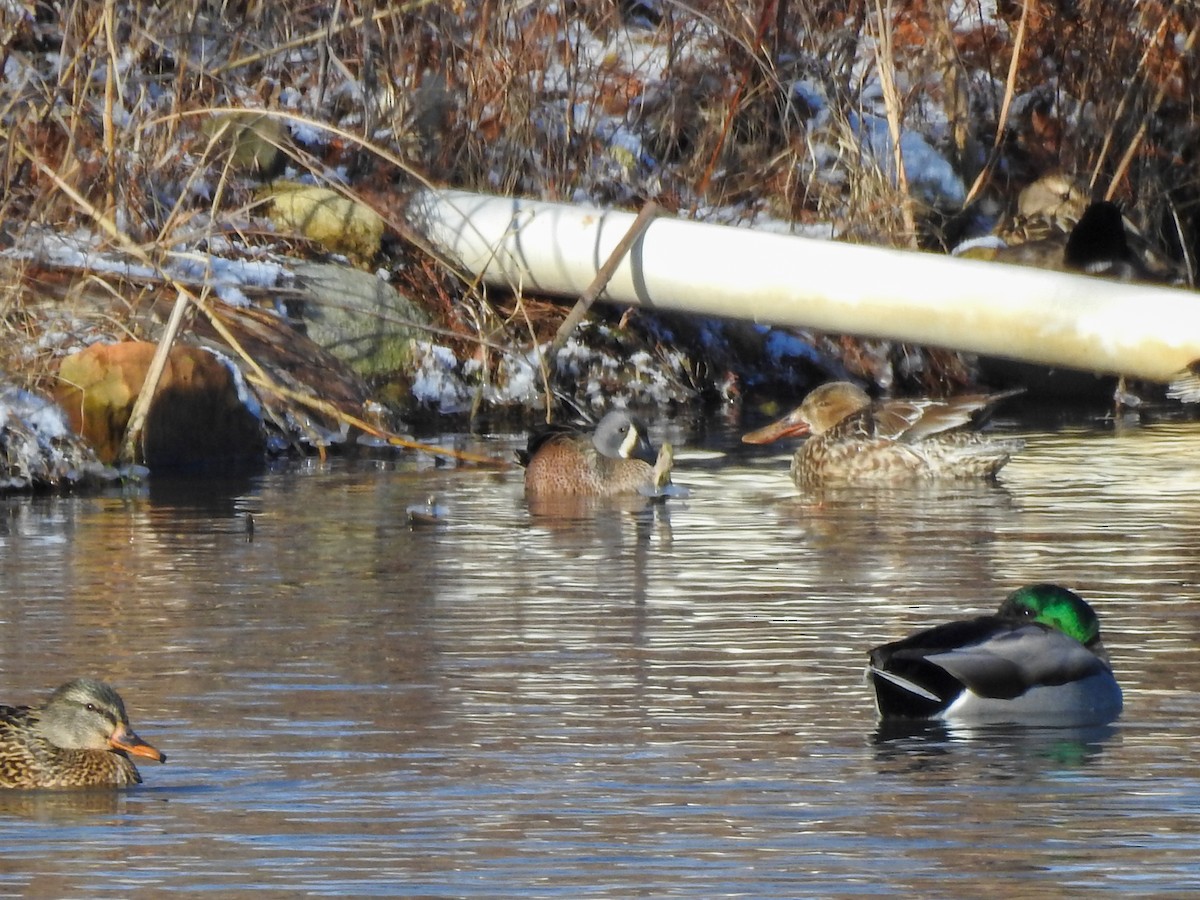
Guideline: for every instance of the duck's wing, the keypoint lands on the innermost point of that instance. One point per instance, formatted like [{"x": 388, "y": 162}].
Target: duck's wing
[
  {"x": 16, "y": 716},
  {"x": 912, "y": 421},
  {"x": 993, "y": 658},
  {"x": 1009, "y": 663},
  {"x": 908, "y": 683},
  {"x": 22, "y": 749},
  {"x": 547, "y": 434}
]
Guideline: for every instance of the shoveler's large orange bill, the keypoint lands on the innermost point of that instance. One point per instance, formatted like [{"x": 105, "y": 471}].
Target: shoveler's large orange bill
[
  {"x": 124, "y": 739},
  {"x": 789, "y": 426}
]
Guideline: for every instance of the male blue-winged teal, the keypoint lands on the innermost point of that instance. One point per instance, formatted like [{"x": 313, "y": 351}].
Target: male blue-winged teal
[
  {"x": 857, "y": 441},
  {"x": 617, "y": 458},
  {"x": 80, "y": 737},
  {"x": 1038, "y": 661}
]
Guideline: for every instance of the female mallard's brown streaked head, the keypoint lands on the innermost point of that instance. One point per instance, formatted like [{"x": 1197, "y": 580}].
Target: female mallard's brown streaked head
[
  {"x": 80, "y": 737},
  {"x": 85, "y": 714}
]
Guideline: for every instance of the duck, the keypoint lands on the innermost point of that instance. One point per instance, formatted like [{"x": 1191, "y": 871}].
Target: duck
[
  {"x": 1038, "y": 661},
  {"x": 855, "y": 440},
  {"x": 1051, "y": 205},
  {"x": 1098, "y": 244},
  {"x": 80, "y": 737},
  {"x": 616, "y": 458},
  {"x": 1057, "y": 226}
]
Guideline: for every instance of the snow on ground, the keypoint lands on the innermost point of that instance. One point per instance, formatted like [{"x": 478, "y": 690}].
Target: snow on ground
[
  {"x": 593, "y": 98},
  {"x": 38, "y": 450}
]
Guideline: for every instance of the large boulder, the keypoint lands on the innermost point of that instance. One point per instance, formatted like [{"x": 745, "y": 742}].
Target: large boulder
[{"x": 199, "y": 415}]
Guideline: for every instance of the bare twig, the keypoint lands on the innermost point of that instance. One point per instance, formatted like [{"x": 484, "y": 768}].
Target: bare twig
[
  {"x": 1135, "y": 144},
  {"x": 603, "y": 276},
  {"x": 1010, "y": 89},
  {"x": 885, "y": 61}
]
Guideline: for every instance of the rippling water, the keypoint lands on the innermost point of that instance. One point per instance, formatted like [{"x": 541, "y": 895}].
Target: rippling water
[{"x": 618, "y": 702}]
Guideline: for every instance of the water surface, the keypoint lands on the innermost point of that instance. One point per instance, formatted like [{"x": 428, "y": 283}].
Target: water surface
[{"x": 612, "y": 701}]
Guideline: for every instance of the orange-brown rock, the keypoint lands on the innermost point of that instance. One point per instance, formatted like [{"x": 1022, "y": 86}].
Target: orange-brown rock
[{"x": 196, "y": 418}]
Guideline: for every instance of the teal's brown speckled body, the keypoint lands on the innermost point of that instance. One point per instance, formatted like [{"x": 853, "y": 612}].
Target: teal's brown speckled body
[
  {"x": 80, "y": 737},
  {"x": 616, "y": 459}
]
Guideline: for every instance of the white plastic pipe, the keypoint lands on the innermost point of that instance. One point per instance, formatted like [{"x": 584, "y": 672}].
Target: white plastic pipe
[{"x": 1021, "y": 313}]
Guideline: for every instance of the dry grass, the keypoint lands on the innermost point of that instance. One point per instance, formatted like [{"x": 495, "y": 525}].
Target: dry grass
[{"x": 104, "y": 107}]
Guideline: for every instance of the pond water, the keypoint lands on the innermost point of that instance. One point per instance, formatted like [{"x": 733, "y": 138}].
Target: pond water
[{"x": 619, "y": 702}]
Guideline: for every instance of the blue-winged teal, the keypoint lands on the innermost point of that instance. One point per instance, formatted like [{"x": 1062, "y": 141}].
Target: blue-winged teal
[
  {"x": 80, "y": 737},
  {"x": 857, "y": 441},
  {"x": 1038, "y": 661},
  {"x": 617, "y": 458}
]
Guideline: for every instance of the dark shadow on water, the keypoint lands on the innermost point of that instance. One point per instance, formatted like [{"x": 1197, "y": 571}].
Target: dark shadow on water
[{"x": 205, "y": 494}]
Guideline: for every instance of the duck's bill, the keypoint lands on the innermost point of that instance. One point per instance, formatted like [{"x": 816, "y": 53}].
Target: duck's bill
[
  {"x": 124, "y": 739},
  {"x": 789, "y": 426}
]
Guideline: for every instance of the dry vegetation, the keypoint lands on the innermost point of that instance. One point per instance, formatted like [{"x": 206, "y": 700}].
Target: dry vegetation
[{"x": 105, "y": 105}]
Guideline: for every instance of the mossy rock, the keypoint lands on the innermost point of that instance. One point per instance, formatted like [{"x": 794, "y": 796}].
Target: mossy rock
[
  {"x": 359, "y": 318},
  {"x": 322, "y": 215},
  {"x": 250, "y": 141}
]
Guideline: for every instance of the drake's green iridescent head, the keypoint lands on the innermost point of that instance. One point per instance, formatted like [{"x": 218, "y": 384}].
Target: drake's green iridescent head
[{"x": 1055, "y": 606}]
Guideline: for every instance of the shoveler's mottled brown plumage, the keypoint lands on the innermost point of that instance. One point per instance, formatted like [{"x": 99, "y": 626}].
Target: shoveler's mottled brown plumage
[
  {"x": 615, "y": 459},
  {"x": 80, "y": 737},
  {"x": 855, "y": 440}
]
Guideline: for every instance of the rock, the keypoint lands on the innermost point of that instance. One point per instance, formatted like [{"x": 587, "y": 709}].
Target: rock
[
  {"x": 199, "y": 415},
  {"x": 251, "y": 141},
  {"x": 326, "y": 217},
  {"x": 359, "y": 318}
]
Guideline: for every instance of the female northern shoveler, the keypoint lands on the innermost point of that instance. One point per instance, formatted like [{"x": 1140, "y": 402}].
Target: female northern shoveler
[
  {"x": 80, "y": 737},
  {"x": 1038, "y": 661},
  {"x": 617, "y": 458},
  {"x": 889, "y": 441}
]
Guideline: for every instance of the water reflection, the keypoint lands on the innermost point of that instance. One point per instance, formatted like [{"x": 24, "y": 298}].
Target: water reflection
[
  {"x": 912, "y": 746},
  {"x": 614, "y": 700}
]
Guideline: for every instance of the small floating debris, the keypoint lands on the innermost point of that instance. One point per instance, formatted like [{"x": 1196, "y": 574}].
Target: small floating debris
[{"x": 429, "y": 514}]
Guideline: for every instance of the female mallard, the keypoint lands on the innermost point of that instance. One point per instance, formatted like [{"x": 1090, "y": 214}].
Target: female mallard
[
  {"x": 1038, "y": 661},
  {"x": 855, "y": 440},
  {"x": 80, "y": 737},
  {"x": 617, "y": 458}
]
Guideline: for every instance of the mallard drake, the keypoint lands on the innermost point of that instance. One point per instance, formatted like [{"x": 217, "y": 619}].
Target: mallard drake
[
  {"x": 1037, "y": 661},
  {"x": 617, "y": 458},
  {"x": 80, "y": 737},
  {"x": 855, "y": 440}
]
